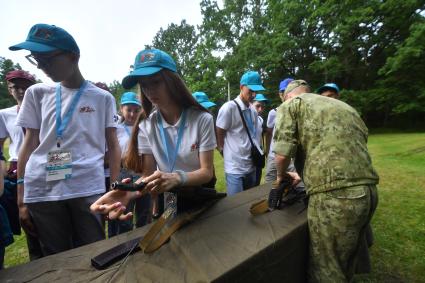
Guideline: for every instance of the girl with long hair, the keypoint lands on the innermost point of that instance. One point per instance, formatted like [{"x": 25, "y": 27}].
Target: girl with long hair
[
  {"x": 129, "y": 109},
  {"x": 173, "y": 144}
]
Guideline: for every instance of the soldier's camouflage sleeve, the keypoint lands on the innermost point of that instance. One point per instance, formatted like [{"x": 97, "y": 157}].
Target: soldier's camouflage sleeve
[{"x": 285, "y": 136}]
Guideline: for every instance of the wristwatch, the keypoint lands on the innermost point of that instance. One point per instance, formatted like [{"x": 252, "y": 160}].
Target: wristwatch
[{"x": 183, "y": 177}]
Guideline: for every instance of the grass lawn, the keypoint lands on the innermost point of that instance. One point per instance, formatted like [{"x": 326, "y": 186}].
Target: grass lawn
[
  {"x": 399, "y": 222},
  {"x": 398, "y": 254}
]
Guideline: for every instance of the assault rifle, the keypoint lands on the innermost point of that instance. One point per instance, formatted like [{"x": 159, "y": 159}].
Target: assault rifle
[
  {"x": 191, "y": 202},
  {"x": 281, "y": 195}
]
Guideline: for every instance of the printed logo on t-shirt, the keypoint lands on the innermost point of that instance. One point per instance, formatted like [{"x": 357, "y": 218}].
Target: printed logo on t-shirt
[
  {"x": 194, "y": 146},
  {"x": 86, "y": 109},
  {"x": 116, "y": 118}
]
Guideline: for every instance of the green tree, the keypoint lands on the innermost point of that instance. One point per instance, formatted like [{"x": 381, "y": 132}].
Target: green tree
[
  {"x": 371, "y": 48},
  {"x": 180, "y": 41}
]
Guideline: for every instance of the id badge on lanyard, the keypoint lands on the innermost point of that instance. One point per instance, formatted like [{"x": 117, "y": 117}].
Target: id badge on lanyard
[
  {"x": 59, "y": 160},
  {"x": 59, "y": 165},
  {"x": 170, "y": 202},
  {"x": 170, "y": 199}
]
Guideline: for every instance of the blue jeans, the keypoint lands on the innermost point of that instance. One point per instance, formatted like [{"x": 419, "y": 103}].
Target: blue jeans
[{"x": 237, "y": 183}]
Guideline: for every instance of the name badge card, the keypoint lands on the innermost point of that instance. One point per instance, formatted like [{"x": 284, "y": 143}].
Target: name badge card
[
  {"x": 170, "y": 203},
  {"x": 59, "y": 165}
]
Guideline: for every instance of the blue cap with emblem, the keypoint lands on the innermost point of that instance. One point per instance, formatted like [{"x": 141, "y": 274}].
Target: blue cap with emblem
[
  {"x": 47, "y": 38},
  {"x": 252, "y": 80},
  {"x": 328, "y": 86},
  {"x": 261, "y": 98},
  {"x": 130, "y": 98},
  {"x": 148, "y": 62},
  {"x": 202, "y": 99}
]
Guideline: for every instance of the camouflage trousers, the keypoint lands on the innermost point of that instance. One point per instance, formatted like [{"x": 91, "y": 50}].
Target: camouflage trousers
[{"x": 337, "y": 222}]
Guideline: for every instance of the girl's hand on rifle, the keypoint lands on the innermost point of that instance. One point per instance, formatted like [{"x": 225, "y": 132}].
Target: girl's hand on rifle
[{"x": 160, "y": 182}]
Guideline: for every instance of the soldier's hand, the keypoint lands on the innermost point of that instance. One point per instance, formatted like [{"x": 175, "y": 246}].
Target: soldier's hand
[
  {"x": 296, "y": 179},
  {"x": 279, "y": 187},
  {"x": 275, "y": 197}
]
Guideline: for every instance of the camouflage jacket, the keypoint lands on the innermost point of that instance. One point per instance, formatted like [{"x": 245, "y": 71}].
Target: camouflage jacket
[{"x": 328, "y": 139}]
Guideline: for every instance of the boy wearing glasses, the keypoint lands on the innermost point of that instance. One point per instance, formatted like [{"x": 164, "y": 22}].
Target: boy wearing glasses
[
  {"x": 68, "y": 126},
  {"x": 17, "y": 83}
]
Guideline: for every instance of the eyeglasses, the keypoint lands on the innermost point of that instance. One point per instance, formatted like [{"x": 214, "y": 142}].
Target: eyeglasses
[{"x": 42, "y": 60}]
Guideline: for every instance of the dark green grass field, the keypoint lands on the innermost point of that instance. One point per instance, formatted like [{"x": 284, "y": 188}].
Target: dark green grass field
[
  {"x": 399, "y": 222},
  {"x": 398, "y": 254}
]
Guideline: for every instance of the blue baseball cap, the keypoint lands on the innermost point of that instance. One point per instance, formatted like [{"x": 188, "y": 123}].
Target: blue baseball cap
[
  {"x": 283, "y": 84},
  {"x": 130, "y": 98},
  {"x": 252, "y": 80},
  {"x": 149, "y": 62},
  {"x": 202, "y": 99},
  {"x": 260, "y": 97},
  {"x": 328, "y": 86},
  {"x": 47, "y": 38}
]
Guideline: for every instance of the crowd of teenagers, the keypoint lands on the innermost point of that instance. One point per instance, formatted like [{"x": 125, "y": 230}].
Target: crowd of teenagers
[{"x": 68, "y": 143}]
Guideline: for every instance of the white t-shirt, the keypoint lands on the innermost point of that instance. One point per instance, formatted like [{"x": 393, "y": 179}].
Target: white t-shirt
[
  {"x": 123, "y": 135},
  {"x": 260, "y": 131},
  {"x": 84, "y": 137},
  {"x": 8, "y": 129},
  {"x": 123, "y": 139},
  {"x": 237, "y": 147},
  {"x": 271, "y": 121},
  {"x": 198, "y": 136}
]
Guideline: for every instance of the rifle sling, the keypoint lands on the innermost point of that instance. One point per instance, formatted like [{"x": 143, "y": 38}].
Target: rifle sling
[
  {"x": 151, "y": 242},
  {"x": 156, "y": 228}
]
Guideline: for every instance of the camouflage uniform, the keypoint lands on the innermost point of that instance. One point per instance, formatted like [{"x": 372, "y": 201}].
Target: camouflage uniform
[{"x": 328, "y": 139}]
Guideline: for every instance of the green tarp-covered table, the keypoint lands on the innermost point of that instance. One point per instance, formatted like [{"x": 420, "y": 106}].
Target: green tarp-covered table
[{"x": 225, "y": 244}]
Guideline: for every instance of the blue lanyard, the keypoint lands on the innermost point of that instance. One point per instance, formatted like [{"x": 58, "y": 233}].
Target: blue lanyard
[
  {"x": 251, "y": 126},
  {"x": 168, "y": 152},
  {"x": 127, "y": 130},
  {"x": 61, "y": 125}
]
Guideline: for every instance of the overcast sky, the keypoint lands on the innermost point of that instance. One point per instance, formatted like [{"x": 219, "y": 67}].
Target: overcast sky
[{"x": 108, "y": 32}]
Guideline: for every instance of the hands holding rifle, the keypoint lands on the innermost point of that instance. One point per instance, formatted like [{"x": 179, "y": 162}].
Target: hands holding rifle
[
  {"x": 281, "y": 186},
  {"x": 114, "y": 202}
]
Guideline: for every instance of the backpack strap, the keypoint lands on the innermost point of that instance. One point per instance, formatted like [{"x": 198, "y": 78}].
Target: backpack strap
[{"x": 244, "y": 123}]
